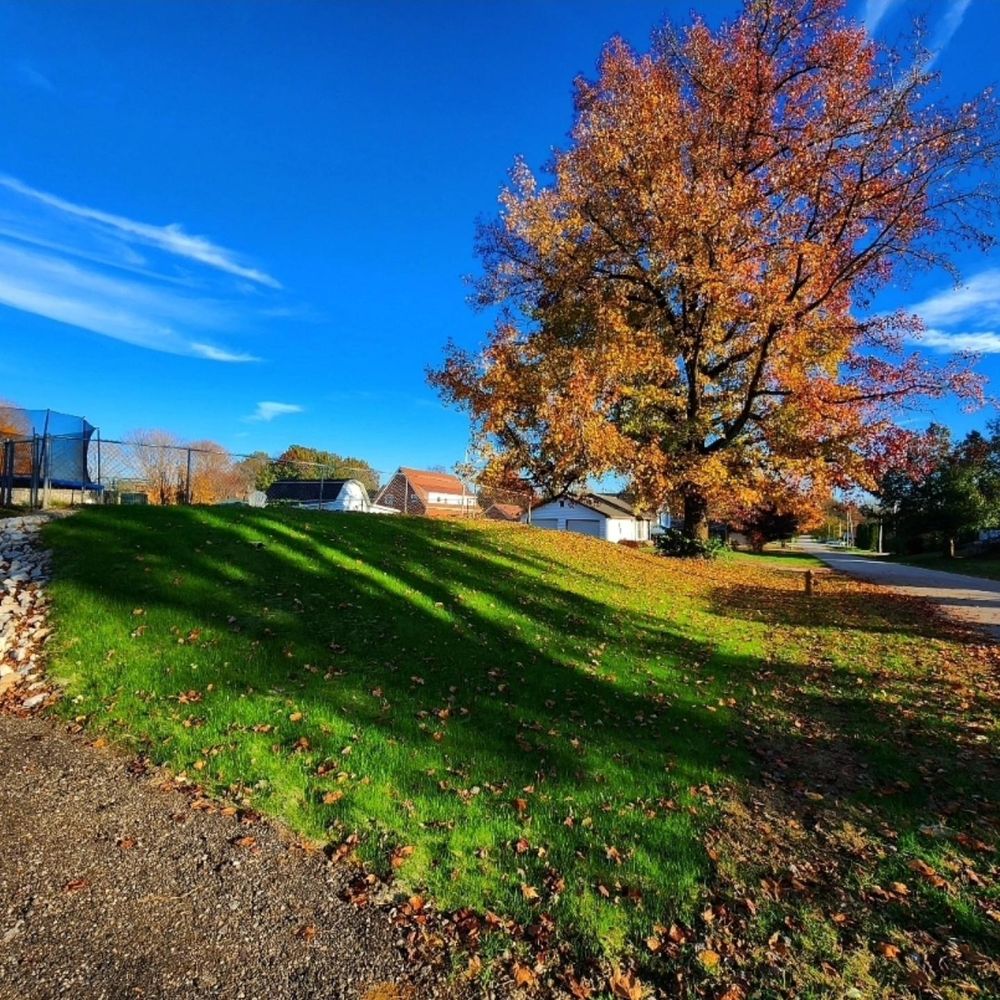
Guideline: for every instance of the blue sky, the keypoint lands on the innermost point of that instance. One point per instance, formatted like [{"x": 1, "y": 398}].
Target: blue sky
[{"x": 250, "y": 221}]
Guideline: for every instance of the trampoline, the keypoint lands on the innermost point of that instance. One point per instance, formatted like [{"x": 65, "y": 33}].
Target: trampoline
[{"x": 44, "y": 450}]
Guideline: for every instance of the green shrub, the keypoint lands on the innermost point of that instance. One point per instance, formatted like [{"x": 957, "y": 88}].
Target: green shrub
[{"x": 675, "y": 543}]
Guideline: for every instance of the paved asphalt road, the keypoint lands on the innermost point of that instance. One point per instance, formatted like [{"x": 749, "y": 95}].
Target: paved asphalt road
[{"x": 969, "y": 598}]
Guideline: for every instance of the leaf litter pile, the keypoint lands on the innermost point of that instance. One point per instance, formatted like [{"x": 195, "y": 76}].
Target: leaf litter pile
[{"x": 563, "y": 766}]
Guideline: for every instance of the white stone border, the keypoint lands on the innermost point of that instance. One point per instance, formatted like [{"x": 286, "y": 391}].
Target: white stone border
[{"x": 24, "y": 628}]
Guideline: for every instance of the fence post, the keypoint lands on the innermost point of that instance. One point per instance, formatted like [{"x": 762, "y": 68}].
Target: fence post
[
  {"x": 809, "y": 582},
  {"x": 47, "y": 480},
  {"x": 187, "y": 483},
  {"x": 7, "y": 475},
  {"x": 35, "y": 463}
]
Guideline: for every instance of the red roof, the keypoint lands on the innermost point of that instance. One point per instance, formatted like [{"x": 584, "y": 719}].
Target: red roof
[
  {"x": 433, "y": 482},
  {"x": 510, "y": 511}
]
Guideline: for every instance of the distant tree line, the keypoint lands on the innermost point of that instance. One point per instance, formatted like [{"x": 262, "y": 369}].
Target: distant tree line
[
  {"x": 954, "y": 498},
  {"x": 213, "y": 474},
  {"x": 298, "y": 461}
]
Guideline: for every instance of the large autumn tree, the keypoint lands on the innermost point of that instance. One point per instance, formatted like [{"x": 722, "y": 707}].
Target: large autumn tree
[{"x": 682, "y": 296}]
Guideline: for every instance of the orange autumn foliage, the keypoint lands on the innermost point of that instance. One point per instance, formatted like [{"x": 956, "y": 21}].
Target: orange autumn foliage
[
  {"x": 12, "y": 421},
  {"x": 682, "y": 297}
]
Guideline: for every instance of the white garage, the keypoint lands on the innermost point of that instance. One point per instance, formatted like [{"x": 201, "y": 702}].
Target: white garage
[
  {"x": 600, "y": 515},
  {"x": 549, "y": 523}
]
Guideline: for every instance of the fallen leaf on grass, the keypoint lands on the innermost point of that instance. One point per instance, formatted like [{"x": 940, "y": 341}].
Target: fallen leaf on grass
[
  {"x": 76, "y": 885},
  {"x": 708, "y": 958},
  {"x": 331, "y": 798},
  {"x": 307, "y": 932},
  {"x": 127, "y": 843},
  {"x": 400, "y": 855},
  {"x": 887, "y": 950},
  {"x": 524, "y": 976},
  {"x": 625, "y": 985}
]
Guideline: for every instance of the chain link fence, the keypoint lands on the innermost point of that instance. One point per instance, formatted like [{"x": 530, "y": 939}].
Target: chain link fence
[
  {"x": 65, "y": 470},
  {"x": 75, "y": 465}
]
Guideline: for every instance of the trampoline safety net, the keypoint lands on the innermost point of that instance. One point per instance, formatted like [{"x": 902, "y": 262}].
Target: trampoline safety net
[{"x": 43, "y": 445}]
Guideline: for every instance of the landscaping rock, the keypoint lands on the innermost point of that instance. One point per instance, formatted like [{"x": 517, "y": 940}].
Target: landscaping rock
[{"x": 24, "y": 569}]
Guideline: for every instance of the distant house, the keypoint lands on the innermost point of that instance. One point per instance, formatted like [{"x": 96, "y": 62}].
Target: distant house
[
  {"x": 602, "y": 515},
  {"x": 325, "y": 494},
  {"x": 504, "y": 512},
  {"x": 428, "y": 494}
]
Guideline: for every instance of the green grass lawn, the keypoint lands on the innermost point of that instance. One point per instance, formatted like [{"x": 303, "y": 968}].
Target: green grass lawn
[
  {"x": 689, "y": 768},
  {"x": 987, "y": 566}
]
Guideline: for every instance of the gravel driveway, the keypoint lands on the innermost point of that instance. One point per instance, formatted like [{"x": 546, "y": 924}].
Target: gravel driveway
[
  {"x": 969, "y": 598},
  {"x": 113, "y": 887}
]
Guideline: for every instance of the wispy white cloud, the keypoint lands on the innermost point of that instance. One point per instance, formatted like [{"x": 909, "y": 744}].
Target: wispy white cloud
[
  {"x": 28, "y": 74},
  {"x": 944, "y": 18},
  {"x": 155, "y": 287},
  {"x": 219, "y": 354},
  {"x": 978, "y": 298},
  {"x": 170, "y": 238},
  {"x": 946, "y": 26},
  {"x": 130, "y": 311},
  {"x": 875, "y": 10},
  {"x": 981, "y": 342},
  {"x": 963, "y": 318},
  {"x": 268, "y": 410}
]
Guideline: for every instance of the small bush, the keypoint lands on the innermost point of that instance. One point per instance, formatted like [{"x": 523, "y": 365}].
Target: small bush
[{"x": 675, "y": 543}]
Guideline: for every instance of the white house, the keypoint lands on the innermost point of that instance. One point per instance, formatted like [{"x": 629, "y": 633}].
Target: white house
[{"x": 602, "y": 515}]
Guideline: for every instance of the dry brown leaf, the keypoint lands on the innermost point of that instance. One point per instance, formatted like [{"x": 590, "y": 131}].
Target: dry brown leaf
[
  {"x": 524, "y": 976},
  {"x": 625, "y": 985}
]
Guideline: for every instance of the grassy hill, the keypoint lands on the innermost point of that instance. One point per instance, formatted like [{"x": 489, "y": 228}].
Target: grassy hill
[{"x": 689, "y": 768}]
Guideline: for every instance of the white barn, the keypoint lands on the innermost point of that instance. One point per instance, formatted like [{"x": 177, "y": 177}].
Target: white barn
[
  {"x": 601, "y": 515},
  {"x": 326, "y": 494}
]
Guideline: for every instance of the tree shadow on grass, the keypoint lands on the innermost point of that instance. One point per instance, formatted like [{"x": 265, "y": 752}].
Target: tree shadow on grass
[
  {"x": 837, "y": 603},
  {"x": 470, "y": 679},
  {"x": 444, "y": 667}
]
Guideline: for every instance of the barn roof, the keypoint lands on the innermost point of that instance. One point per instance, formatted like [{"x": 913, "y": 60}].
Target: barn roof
[
  {"x": 511, "y": 511},
  {"x": 305, "y": 489},
  {"x": 433, "y": 482}
]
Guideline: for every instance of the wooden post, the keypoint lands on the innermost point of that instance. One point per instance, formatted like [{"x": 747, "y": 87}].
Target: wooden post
[{"x": 809, "y": 582}]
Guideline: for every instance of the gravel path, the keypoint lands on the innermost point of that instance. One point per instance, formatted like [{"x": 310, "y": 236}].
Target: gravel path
[
  {"x": 111, "y": 887},
  {"x": 970, "y": 599}
]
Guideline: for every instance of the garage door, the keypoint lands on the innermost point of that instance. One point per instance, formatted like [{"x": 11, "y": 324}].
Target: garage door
[
  {"x": 551, "y": 523},
  {"x": 584, "y": 527}
]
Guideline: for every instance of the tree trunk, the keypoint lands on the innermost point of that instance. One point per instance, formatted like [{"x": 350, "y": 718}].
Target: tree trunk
[
  {"x": 950, "y": 550},
  {"x": 695, "y": 515}
]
